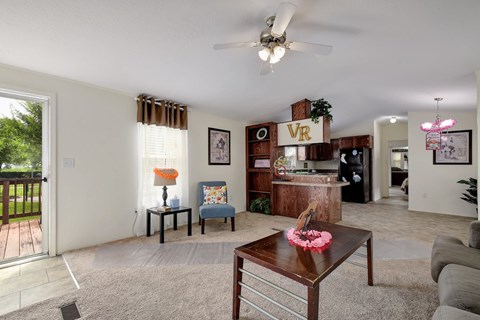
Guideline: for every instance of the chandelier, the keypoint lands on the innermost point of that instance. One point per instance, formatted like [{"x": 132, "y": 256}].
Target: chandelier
[{"x": 438, "y": 125}]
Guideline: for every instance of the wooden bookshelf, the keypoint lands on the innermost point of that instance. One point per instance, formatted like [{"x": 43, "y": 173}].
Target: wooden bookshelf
[{"x": 261, "y": 144}]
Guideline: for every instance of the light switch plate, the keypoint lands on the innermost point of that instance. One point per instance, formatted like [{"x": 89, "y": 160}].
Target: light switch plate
[{"x": 68, "y": 163}]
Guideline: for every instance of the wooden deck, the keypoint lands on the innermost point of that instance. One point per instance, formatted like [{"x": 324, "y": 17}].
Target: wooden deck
[{"x": 20, "y": 239}]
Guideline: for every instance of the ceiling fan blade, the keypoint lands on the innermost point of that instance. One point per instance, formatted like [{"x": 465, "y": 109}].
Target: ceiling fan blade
[
  {"x": 220, "y": 46},
  {"x": 265, "y": 68},
  {"x": 314, "y": 48},
  {"x": 282, "y": 18}
]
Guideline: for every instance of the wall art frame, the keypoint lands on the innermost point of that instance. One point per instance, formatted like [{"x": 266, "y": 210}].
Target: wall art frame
[
  {"x": 456, "y": 148},
  {"x": 218, "y": 147}
]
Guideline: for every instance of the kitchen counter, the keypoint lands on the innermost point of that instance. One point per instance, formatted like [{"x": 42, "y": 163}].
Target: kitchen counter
[
  {"x": 333, "y": 184},
  {"x": 292, "y": 194}
]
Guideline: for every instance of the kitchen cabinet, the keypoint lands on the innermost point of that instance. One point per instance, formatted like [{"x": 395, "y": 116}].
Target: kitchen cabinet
[
  {"x": 301, "y": 110},
  {"x": 335, "y": 148},
  {"x": 290, "y": 197},
  {"x": 314, "y": 152},
  {"x": 364, "y": 141}
]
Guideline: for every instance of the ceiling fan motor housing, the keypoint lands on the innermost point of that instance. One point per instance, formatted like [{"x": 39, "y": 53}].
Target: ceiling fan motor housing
[{"x": 266, "y": 37}]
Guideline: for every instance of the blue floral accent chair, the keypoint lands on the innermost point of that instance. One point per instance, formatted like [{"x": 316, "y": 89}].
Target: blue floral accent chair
[{"x": 212, "y": 202}]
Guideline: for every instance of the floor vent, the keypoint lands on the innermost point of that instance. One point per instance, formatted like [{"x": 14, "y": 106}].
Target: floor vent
[{"x": 70, "y": 312}]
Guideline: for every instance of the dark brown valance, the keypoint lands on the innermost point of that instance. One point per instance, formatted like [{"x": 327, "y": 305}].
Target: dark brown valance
[{"x": 161, "y": 112}]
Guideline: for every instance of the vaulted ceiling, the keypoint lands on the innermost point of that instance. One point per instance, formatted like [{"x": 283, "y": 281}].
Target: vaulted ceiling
[{"x": 389, "y": 57}]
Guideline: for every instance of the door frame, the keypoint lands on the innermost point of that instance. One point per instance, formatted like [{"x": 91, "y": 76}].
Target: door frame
[
  {"x": 393, "y": 144},
  {"x": 49, "y": 156}
]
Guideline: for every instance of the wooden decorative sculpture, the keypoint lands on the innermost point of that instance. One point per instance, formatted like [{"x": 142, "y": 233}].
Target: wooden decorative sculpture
[
  {"x": 305, "y": 217},
  {"x": 306, "y": 238},
  {"x": 279, "y": 165}
]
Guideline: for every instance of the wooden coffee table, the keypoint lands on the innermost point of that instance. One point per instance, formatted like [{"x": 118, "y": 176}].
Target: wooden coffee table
[{"x": 306, "y": 267}]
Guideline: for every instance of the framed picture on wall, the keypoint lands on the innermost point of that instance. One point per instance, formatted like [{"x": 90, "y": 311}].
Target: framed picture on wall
[
  {"x": 218, "y": 147},
  {"x": 456, "y": 148}
]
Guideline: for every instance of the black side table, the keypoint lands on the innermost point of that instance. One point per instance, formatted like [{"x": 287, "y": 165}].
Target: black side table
[{"x": 162, "y": 214}]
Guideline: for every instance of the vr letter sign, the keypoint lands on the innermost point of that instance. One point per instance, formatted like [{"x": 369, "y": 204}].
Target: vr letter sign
[{"x": 300, "y": 132}]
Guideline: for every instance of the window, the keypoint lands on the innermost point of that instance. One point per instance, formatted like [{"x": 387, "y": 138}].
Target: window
[
  {"x": 160, "y": 147},
  {"x": 291, "y": 156}
]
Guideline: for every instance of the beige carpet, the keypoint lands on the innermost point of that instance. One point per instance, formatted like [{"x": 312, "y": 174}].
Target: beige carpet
[{"x": 403, "y": 288}]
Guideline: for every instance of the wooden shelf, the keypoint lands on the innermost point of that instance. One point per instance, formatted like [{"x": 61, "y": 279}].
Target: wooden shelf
[
  {"x": 265, "y": 170},
  {"x": 258, "y": 191},
  {"x": 256, "y": 140},
  {"x": 259, "y": 180}
]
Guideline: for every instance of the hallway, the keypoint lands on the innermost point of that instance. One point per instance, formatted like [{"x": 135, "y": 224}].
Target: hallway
[{"x": 396, "y": 197}]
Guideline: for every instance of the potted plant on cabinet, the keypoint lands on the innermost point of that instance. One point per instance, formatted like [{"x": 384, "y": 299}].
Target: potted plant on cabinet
[{"x": 320, "y": 107}]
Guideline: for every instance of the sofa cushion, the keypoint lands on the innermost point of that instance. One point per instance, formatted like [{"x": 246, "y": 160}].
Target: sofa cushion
[
  {"x": 474, "y": 234},
  {"x": 449, "y": 313},
  {"x": 447, "y": 239},
  {"x": 447, "y": 250},
  {"x": 216, "y": 211},
  {"x": 459, "y": 287}
]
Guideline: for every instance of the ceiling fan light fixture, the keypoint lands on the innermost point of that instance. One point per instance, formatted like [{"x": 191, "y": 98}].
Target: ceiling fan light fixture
[
  {"x": 264, "y": 54},
  {"x": 274, "y": 59},
  {"x": 279, "y": 52}
]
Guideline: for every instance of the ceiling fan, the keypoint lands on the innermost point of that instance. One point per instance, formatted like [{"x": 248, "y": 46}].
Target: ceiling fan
[{"x": 274, "y": 40}]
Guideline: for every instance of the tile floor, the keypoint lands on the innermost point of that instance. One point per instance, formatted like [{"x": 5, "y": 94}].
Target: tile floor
[{"x": 32, "y": 282}]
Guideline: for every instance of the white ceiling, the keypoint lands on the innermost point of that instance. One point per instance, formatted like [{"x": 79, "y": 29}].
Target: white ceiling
[{"x": 389, "y": 56}]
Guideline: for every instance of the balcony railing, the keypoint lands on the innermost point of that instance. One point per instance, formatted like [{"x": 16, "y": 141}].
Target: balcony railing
[{"x": 20, "y": 198}]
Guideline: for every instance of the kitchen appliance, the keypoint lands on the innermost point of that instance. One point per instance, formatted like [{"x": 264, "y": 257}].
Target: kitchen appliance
[{"x": 354, "y": 167}]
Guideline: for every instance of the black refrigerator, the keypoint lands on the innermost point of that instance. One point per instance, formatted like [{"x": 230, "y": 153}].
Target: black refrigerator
[{"x": 354, "y": 167}]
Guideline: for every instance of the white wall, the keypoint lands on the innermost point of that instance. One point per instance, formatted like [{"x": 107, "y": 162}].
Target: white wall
[
  {"x": 434, "y": 188},
  {"x": 376, "y": 162},
  {"x": 359, "y": 129},
  {"x": 96, "y": 127},
  {"x": 478, "y": 122},
  {"x": 389, "y": 132},
  {"x": 198, "y": 168}
]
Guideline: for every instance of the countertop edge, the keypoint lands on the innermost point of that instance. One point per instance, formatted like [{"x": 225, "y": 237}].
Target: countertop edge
[{"x": 335, "y": 184}]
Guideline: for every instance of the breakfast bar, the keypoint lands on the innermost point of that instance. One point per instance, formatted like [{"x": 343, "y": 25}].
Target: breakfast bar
[{"x": 292, "y": 194}]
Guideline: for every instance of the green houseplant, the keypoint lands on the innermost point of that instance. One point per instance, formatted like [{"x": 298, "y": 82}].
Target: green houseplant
[
  {"x": 260, "y": 205},
  {"x": 320, "y": 108},
  {"x": 471, "y": 192}
]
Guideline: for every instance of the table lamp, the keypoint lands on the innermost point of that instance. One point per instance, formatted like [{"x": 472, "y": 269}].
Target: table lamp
[{"x": 165, "y": 177}]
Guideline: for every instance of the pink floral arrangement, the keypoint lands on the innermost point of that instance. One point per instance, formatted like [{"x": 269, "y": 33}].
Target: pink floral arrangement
[{"x": 315, "y": 241}]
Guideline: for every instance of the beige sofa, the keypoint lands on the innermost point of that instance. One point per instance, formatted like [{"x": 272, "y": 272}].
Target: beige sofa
[{"x": 456, "y": 268}]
